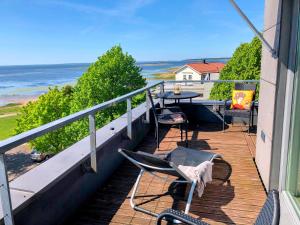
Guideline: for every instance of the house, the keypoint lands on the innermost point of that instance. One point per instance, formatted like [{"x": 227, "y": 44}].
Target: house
[
  {"x": 199, "y": 71},
  {"x": 203, "y": 71}
]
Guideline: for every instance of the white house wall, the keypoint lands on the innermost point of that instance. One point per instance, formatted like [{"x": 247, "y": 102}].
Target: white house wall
[
  {"x": 187, "y": 71},
  {"x": 202, "y": 88},
  {"x": 214, "y": 76},
  {"x": 265, "y": 124}
]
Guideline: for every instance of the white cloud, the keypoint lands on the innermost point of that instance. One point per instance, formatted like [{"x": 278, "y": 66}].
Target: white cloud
[{"x": 128, "y": 8}]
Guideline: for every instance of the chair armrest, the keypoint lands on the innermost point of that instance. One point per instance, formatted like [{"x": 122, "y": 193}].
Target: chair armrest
[
  {"x": 227, "y": 103},
  {"x": 180, "y": 216},
  {"x": 252, "y": 105},
  {"x": 158, "y": 156},
  {"x": 169, "y": 107}
]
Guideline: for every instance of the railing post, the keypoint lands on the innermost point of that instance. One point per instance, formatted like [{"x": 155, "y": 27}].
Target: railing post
[
  {"x": 147, "y": 108},
  {"x": 161, "y": 90},
  {"x": 129, "y": 118},
  {"x": 5, "y": 194},
  {"x": 92, "y": 127}
]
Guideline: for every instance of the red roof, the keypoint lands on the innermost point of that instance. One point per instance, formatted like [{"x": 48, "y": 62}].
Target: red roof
[{"x": 207, "y": 67}]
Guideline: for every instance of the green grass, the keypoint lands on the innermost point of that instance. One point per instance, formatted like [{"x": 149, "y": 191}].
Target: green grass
[
  {"x": 164, "y": 76},
  {"x": 11, "y": 108},
  {"x": 7, "y": 126},
  {"x": 168, "y": 75}
]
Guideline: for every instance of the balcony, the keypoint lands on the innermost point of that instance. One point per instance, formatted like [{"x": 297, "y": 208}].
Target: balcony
[
  {"x": 88, "y": 184},
  {"x": 237, "y": 202}
]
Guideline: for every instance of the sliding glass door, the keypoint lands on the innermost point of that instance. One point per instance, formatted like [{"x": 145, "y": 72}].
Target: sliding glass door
[{"x": 293, "y": 165}]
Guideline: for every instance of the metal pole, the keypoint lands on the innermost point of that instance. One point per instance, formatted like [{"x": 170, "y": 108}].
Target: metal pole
[
  {"x": 5, "y": 194},
  {"x": 161, "y": 90},
  {"x": 147, "y": 108},
  {"x": 129, "y": 118},
  {"x": 92, "y": 127},
  {"x": 253, "y": 28}
]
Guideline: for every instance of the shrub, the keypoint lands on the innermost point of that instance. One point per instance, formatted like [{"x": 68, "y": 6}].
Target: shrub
[{"x": 245, "y": 64}]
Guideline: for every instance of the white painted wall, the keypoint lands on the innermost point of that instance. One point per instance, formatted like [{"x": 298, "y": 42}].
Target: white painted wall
[
  {"x": 265, "y": 123},
  {"x": 214, "y": 76},
  {"x": 269, "y": 85},
  {"x": 187, "y": 72},
  {"x": 190, "y": 73}
]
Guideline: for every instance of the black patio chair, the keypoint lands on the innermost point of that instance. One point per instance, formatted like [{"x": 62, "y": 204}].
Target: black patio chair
[
  {"x": 269, "y": 214},
  {"x": 167, "y": 164},
  {"x": 238, "y": 112},
  {"x": 169, "y": 116}
]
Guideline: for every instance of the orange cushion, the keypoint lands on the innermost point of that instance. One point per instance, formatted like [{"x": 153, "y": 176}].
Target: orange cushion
[{"x": 242, "y": 99}]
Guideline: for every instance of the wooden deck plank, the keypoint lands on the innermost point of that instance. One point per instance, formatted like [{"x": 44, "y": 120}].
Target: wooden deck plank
[{"x": 237, "y": 202}]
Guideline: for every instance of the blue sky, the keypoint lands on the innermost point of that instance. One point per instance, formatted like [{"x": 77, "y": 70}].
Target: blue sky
[{"x": 66, "y": 31}]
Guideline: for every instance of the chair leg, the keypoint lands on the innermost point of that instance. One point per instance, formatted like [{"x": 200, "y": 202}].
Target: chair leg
[
  {"x": 132, "y": 203},
  {"x": 180, "y": 126},
  {"x": 186, "y": 135},
  {"x": 224, "y": 123},
  {"x": 252, "y": 122},
  {"x": 249, "y": 124},
  {"x": 157, "y": 137},
  {"x": 190, "y": 197}
]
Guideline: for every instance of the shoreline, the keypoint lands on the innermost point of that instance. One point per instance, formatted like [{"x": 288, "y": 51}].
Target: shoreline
[{"x": 19, "y": 100}]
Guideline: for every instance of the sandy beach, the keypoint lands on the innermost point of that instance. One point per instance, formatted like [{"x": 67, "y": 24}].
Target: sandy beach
[{"x": 22, "y": 100}]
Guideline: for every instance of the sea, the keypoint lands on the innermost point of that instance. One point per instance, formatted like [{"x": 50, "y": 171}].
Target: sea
[{"x": 20, "y": 83}]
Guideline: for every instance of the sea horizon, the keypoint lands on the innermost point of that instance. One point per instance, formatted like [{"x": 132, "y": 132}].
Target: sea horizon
[
  {"x": 21, "y": 83},
  {"x": 138, "y": 62}
]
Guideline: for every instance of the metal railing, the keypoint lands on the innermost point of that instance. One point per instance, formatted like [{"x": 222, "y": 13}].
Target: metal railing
[
  {"x": 39, "y": 131},
  {"x": 90, "y": 113},
  {"x": 211, "y": 81}
]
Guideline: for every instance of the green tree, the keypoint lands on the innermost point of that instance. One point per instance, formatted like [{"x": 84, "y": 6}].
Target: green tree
[
  {"x": 244, "y": 65},
  {"x": 114, "y": 74},
  {"x": 49, "y": 107}
]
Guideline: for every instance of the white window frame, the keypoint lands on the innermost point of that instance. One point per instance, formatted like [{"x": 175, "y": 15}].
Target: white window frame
[{"x": 286, "y": 201}]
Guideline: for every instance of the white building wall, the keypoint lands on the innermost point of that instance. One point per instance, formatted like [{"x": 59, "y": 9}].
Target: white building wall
[
  {"x": 203, "y": 88},
  {"x": 214, "y": 76},
  {"x": 265, "y": 123},
  {"x": 187, "y": 71}
]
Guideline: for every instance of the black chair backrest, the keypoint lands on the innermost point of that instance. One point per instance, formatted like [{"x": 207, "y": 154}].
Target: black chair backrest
[
  {"x": 149, "y": 162},
  {"x": 244, "y": 87},
  {"x": 270, "y": 213},
  {"x": 153, "y": 106}
]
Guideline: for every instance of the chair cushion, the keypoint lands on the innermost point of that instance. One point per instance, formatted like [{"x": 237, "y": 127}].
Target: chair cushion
[
  {"x": 242, "y": 99},
  {"x": 172, "y": 118},
  {"x": 189, "y": 157}
]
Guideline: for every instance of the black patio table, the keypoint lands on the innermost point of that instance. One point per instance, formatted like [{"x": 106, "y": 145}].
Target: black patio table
[{"x": 183, "y": 95}]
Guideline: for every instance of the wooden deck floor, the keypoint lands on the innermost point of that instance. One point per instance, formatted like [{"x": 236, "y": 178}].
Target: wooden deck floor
[{"x": 237, "y": 202}]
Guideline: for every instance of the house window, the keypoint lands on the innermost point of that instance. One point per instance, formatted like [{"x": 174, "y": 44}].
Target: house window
[
  {"x": 184, "y": 77},
  {"x": 293, "y": 166},
  {"x": 190, "y": 77}
]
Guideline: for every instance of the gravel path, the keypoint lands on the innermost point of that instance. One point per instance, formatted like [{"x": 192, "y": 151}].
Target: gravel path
[{"x": 8, "y": 115}]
